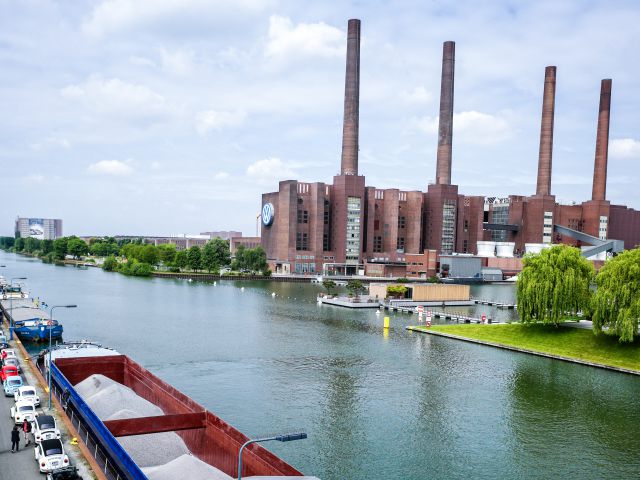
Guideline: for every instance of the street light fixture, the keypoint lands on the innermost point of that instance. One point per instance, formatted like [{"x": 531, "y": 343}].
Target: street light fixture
[
  {"x": 50, "y": 325},
  {"x": 11, "y": 305},
  {"x": 286, "y": 437}
]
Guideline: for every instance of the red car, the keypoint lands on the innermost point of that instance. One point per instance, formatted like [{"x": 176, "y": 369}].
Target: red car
[{"x": 8, "y": 371}]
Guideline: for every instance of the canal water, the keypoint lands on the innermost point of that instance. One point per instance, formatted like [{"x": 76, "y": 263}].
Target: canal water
[{"x": 376, "y": 404}]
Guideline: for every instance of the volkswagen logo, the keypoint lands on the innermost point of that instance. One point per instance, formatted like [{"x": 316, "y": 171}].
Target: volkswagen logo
[{"x": 268, "y": 213}]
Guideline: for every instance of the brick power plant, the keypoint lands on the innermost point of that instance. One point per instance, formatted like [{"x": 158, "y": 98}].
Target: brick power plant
[{"x": 348, "y": 227}]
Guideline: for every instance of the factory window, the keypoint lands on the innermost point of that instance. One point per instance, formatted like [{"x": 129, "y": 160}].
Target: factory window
[
  {"x": 326, "y": 243},
  {"x": 303, "y": 216},
  {"x": 400, "y": 244},
  {"x": 485, "y": 217},
  {"x": 377, "y": 244},
  {"x": 401, "y": 222},
  {"x": 300, "y": 201},
  {"x": 326, "y": 217},
  {"x": 302, "y": 241},
  {"x": 465, "y": 246},
  {"x": 466, "y": 225}
]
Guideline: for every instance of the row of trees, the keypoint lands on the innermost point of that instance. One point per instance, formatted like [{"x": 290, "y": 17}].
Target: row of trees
[
  {"x": 557, "y": 284},
  {"x": 133, "y": 257}
]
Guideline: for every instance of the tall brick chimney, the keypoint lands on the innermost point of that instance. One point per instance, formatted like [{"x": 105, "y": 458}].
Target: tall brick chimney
[
  {"x": 599, "y": 191},
  {"x": 445, "y": 128},
  {"x": 543, "y": 186},
  {"x": 349, "y": 160}
]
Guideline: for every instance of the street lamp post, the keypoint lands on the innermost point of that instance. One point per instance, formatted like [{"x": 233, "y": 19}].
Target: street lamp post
[
  {"x": 50, "y": 325},
  {"x": 287, "y": 437},
  {"x": 11, "y": 305}
]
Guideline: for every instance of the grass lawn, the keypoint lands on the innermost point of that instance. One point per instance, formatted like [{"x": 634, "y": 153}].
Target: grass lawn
[{"x": 564, "y": 341}]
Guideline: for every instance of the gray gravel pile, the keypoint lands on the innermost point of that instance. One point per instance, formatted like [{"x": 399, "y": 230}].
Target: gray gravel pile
[
  {"x": 106, "y": 397},
  {"x": 111, "y": 400},
  {"x": 185, "y": 466}
]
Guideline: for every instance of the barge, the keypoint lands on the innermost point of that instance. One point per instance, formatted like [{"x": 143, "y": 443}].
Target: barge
[
  {"x": 208, "y": 438},
  {"x": 30, "y": 323}
]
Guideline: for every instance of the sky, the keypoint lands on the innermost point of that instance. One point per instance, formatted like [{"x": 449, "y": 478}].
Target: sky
[{"x": 160, "y": 117}]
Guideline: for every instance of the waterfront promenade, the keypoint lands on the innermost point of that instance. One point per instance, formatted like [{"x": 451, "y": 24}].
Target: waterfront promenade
[{"x": 21, "y": 465}]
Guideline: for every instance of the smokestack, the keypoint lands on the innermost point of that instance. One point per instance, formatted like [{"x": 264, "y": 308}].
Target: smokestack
[
  {"x": 445, "y": 128},
  {"x": 602, "y": 143},
  {"x": 349, "y": 161},
  {"x": 543, "y": 186}
]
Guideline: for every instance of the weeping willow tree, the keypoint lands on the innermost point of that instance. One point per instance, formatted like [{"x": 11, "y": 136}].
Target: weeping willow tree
[
  {"x": 553, "y": 284},
  {"x": 616, "y": 303}
]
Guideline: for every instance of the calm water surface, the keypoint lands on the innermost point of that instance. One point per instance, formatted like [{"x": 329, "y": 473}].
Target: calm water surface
[{"x": 399, "y": 405}]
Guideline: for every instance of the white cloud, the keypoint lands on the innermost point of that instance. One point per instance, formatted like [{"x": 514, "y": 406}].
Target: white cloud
[
  {"x": 471, "y": 127},
  {"x": 114, "y": 15},
  {"x": 270, "y": 170},
  {"x": 113, "y": 96},
  {"x": 110, "y": 167},
  {"x": 303, "y": 39},
  {"x": 51, "y": 142},
  {"x": 214, "y": 120},
  {"x": 221, "y": 175},
  {"x": 624, "y": 148},
  {"x": 417, "y": 95},
  {"x": 34, "y": 178},
  {"x": 177, "y": 62}
]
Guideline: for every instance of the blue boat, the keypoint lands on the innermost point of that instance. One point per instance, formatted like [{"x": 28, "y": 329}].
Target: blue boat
[
  {"x": 37, "y": 330},
  {"x": 31, "y": 323}
]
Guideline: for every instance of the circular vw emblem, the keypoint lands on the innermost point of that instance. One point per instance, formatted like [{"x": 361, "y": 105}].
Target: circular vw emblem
[{"x": 267, "y": 214}]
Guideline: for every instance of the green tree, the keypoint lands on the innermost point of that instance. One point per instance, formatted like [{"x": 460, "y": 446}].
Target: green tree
[
  {"x": 255, "y": 259},
  {"x": 616, "y": 303},
  {"x": 19, "y": 244},
  {"x": 77, "y": 247},
  {"x": 47, "y": 247},
  {"x": 60, "y": 247},
  {"x": 167, "y": 252},
  {"x": 148, "y": 254},
  {"x": 222, "y": 252},
  {"x": 553, "y": 284},
  {"x": 194, "y": 258},
  {"x": 396, "y": 291},
  {"x": 209, "y": 257},
  {"x": 329, "y": 286},
  {"x": 239, "y": 261},
  {"x": 7, "y": 242},
  {"x": 31, "y": 245},
  {"x": 355, "y": 287},
  {"x": 110, "y": 264},
  {"x": 181, "y": 260}
]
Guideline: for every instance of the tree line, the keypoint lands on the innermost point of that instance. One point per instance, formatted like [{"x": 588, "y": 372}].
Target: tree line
[
  {"x": 134, "y": 257},
  {"x": 558, "y": 285}
]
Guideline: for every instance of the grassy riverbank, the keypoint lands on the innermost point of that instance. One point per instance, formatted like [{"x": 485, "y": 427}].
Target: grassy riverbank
[{"x": 575, "y": 343}]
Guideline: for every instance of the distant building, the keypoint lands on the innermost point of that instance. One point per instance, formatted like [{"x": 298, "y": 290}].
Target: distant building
[
  {"x": 40, "y": 228},
  {"x": 223, "y": 235},
  {"x": 248, "y": 242}
]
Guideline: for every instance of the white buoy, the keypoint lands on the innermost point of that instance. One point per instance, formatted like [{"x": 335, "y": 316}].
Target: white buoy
[
  {"x": 190, "y": 280},
  {"x": 273, "y": 294},
  {"x": 242, "y": 289},
  {"x": 215, "y": 284},
  {"x": 377, "y": 312}
]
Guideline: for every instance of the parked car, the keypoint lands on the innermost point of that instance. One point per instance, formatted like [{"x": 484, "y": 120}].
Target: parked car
[
  {"x": 3, "y": 342},
  {"x": 24, "y": 409},
  {"x": 8, "y": 371},
  {"x": 12, "y": 361},
  {"x": 50, "y": 455},
  {"x": 27, "y": 392},
  {"x": 8, "y": 352},
  {"x": 64, "y": 473},
  {"x": 11, "y": 384},
  {"x": 45, "y": 428}
]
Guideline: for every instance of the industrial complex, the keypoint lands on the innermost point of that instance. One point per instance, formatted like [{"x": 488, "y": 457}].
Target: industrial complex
[{"x": 348, "y": 227}]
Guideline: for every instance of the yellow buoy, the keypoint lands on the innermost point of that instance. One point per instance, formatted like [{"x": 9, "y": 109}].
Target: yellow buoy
[
  {"x": 386, "y": 322},
  {"x": 74, "y": 441}
]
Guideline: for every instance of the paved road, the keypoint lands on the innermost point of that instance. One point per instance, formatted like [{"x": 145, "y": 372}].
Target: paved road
[{"x": 20, "y": 465}]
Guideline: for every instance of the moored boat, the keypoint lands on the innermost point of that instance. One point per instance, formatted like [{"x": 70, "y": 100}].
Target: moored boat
[{"x": 90, "y": 388}]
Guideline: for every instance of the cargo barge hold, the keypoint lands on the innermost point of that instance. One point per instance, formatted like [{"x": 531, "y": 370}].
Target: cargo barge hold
[{"x": 207, "y": 437}]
